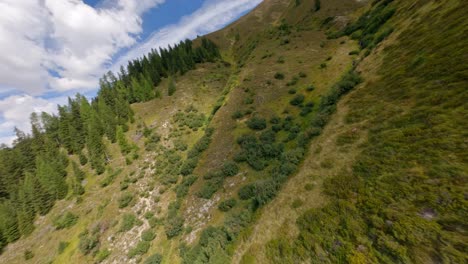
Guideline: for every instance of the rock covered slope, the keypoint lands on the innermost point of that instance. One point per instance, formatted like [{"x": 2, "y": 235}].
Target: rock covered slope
[{"x": 330, "y": 132}]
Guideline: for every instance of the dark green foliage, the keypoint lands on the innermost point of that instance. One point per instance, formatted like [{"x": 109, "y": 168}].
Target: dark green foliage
[
  {"x": 183, "y": 188},
  {"x": 256, "y": 123},
  {"x": 310, "y": 88},
  {"x": 354, "y": 52},
  {"x": 65, "y": 221},
  {"x": 246, "y": 192},
  {"x": 140, "y": 249},
  {"x": 227, "y": 205},
  {"x": 230, "y": 169},
  {"x": 292, "y": 91},
  {"x": 369, "y": 24},
  {"x": 153, "y": 259},
  {"x": 125, "y": 200},
  {"x": 256, "y": 153},
  {"x": 210, "y": 187},
  {"x": 173, "y": 226},
  {"x": 297, "y": 100},
  {"x": 317, "y": 5},
  {"x": 279, "y": 76},
  {"x": 293, "y": 81}
]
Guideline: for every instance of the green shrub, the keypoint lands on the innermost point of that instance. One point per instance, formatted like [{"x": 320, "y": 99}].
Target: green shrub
[
  {"x": 310, "y": 88},
  {"x": 124, "y": 200},
  {"x": 140, "y": 249},
  {"x": 323, "y": 65},
  {"x": 154, "y": 259},
  {"x": 148, "y": 235},
  {"x": 292, "y": 91},
  {"x": 302, "y": 74},
  {"x": 227, "y": 205},
  {"x": 65, "y": 221},
  {"x": 257, "y": 123},
  {"x": 210, "y": 187},
  {"x": 88, "y": 243},
  {"x": 237, "y": 114},
  {"x": 230, "y": 169},
  {"x": 279, "y": 76},
  {"x": 173, "y": 226},
  {"x": 297, "y": 100},
  {"x": 246, "y": 192},
  {"x": 128, "y": 221},
  {"x": 248, "y": 100},
  {"x": 354, "y": 52}
]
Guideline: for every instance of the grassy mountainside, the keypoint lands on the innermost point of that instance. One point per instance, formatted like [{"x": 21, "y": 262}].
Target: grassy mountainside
[{"x": 326, "y": 134}]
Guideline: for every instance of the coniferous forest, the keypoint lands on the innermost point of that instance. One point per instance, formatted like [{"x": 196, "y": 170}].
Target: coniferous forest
[{"x": 34, "y": 171}]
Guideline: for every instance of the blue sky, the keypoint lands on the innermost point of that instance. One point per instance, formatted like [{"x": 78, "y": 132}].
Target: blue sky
[{"x": 74, "y": 42}]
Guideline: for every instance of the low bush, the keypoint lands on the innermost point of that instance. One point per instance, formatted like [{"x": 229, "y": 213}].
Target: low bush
[
  {"x": 279, "y": 76},
  {"x": 125, "y": 200},
  {"x": 173, "y": 226},
  {"x": 154, "y": 259},
  {"x": 148, "y": 235},
  {"x": 140, "y": 249},
  {"x": 297, "y": 100},
  {"x": 227, "y": 205},
  {"x": 230, "y": 169},
  {"x": 257, "y": 123},
  {"x": 128, "y": 222}
]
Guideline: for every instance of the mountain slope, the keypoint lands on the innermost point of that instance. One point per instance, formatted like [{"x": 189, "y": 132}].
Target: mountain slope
[{"x": 331, "y": 133}]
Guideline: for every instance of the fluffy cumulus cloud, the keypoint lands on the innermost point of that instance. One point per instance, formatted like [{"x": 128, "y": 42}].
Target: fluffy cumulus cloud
[
  {"x": 59, "y": 47},
  {"x": 16, "y": 111},
  {"x": 62, "y": 45}
]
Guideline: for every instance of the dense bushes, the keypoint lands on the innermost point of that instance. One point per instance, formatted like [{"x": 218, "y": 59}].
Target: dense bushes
[
  {"x": 369, "y": 24},
  {"x": 256, "y": 123},
  {"x": 174, "y": 226},
  {"x": 227, "y": 205},
  {"x": 88, "y": 242},
  {"x": 230, "y": 169}
]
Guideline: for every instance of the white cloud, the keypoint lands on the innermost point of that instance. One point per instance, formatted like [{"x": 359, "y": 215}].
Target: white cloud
[
  {"x": 66, "y": 37},
  {"x": 213, "y": 15},
  {"x": 15, "y": 112}
]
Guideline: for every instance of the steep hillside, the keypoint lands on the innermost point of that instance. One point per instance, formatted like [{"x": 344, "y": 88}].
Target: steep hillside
[{"x": 329, "y": 131}]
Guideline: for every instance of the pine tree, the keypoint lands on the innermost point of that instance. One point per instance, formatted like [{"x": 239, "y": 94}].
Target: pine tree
[
  {"x": 95, "y": 145},
  {"x": 125, "y": 147},
  {"x": 8, "y": 222}
]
